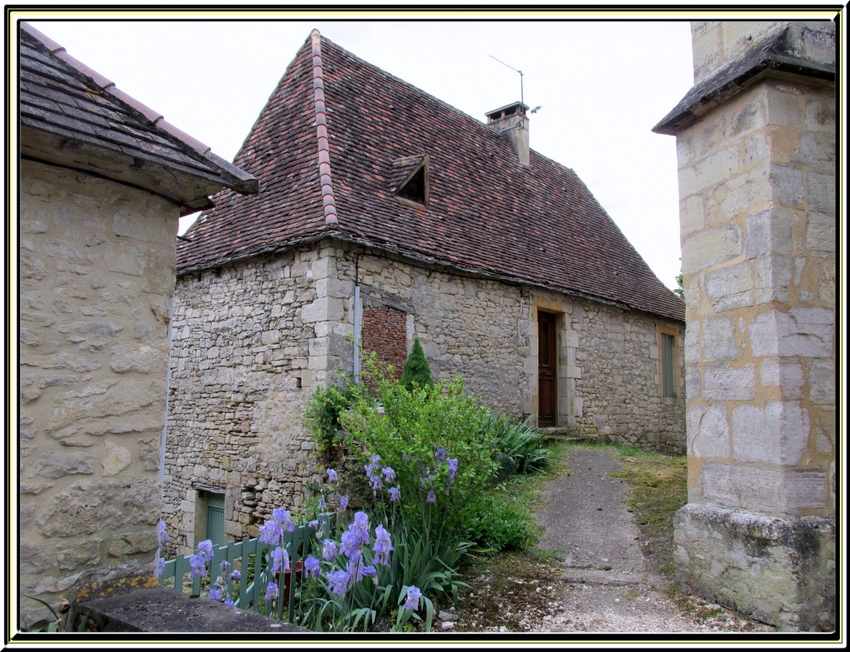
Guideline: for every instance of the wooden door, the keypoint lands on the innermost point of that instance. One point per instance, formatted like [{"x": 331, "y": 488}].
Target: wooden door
[{"x": 547, "y": 357}]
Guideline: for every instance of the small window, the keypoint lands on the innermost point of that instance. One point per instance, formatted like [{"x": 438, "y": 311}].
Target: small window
[
  {"x": 668, "y": 362},
  {"x": 667, "y": 365},
  {"x": 414, "y": 189},
  {"x": 410, "y": 179}
]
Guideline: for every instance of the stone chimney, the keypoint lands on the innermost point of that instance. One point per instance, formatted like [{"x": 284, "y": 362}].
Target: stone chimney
[{"x": 512, "y": 122}]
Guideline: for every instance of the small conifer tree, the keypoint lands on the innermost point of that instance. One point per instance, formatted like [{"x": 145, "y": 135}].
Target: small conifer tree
[{"x": 416, "y": 369}]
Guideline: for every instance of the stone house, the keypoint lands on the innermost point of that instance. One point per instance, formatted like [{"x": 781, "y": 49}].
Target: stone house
[
  {"x": 756, "y": 141},
  {"x": 102, "y": 182},
  {"x": 386, "y": 215}
]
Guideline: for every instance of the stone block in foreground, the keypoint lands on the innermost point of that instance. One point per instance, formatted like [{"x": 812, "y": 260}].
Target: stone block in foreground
[
  {"x": 778, "y": 570},
  {"x": 163, "y": 609}
]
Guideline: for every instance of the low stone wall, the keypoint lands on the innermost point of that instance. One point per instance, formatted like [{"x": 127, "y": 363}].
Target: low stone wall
[{"x": 163, "y": 609}]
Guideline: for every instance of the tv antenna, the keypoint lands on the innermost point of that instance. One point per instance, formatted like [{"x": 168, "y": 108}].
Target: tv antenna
[{"x": 521, "y": 97}]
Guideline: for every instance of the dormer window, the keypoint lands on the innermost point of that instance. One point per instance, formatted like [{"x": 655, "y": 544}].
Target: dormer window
[{"x": 411, "y": 177}]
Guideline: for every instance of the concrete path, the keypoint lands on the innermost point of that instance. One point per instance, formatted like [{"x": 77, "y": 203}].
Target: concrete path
[
  {"x": 588, "y": 522},
  {"x": 606, "y": 584}
]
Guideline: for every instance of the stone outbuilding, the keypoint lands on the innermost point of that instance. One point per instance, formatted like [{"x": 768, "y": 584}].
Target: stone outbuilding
[
  {"x": 757, "y": 162},
  {"x": 102, "y": 182},
  {"x": 386, "y": 214}
]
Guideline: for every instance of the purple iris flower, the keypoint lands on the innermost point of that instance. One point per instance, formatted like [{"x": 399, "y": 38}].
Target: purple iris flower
[
  {"x": 348, "y": 543},
  {"x": 271, "y": 533},
  {"x": 281, "y": 558},
  {"x": 355, "y": 568},
  {"x": 198, "y": 565},
  {"x": 383, "y": 546},
  {"x": 215, "y": 594},
  {"x": 163, "y": 535},
  {"x": 395, "y": 494},
  {"x": 283, "y": 517},
  {"x": 271, "y": 591},
  {"x": 376, "y": 482},
  {"x": 413, "y": 595},
  {"x": 235, "y": 576},
  {"x": 329, "y": 550},
  {"x": 338, "y": 581},
  {"x": 440, "y": 455},
  {"x": 389, "y": 474},
  {"x": 343, "y": 502},
  {"x": 432, "y": 497},
  {"x": 452, "y": 468},
  {"x": 360, "y": 527},
  {"x": 205, "y": 549},
  {"x": 332, "y": 475},
  {"x": 311, "y": 566}
]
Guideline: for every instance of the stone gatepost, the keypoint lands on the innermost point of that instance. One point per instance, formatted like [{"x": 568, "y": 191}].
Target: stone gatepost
[{"x": 756, "y": 151}]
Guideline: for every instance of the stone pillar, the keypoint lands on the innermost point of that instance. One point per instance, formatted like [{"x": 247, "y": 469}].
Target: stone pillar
[{"x": 756, "y": 151}]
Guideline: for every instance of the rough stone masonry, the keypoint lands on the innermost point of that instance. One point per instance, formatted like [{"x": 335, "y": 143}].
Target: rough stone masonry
[
  {"x": 96, "y": 277},
  {"x": 252, "y": 340}
]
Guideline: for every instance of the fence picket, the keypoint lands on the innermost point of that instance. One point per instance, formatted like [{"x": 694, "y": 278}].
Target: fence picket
[{"x": 252, "y": 594}]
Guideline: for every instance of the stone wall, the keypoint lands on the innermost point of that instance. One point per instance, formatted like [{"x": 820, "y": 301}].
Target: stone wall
[
  {"x": 96, "y": 277},
  {"x": 467, "y": 327},
  {"x": 252, "y": 341},
  {"x": 486, "y": 331},
  {"x": 618, "y": 390},
  {"x": 245, "y": 344}
]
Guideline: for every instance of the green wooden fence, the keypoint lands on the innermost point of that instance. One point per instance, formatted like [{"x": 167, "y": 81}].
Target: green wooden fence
[{"x": 249, "y": 556}]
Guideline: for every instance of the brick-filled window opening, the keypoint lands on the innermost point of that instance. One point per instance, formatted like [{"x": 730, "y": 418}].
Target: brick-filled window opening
[{"x": 385, "y": 333}]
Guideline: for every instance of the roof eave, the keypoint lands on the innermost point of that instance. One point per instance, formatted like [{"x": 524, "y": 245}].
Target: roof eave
[
  {"x": 775, "y": 56},
  {"x": 190, "y": 191},
  {"x": 334, "y": 233},
  {"x": 226, "y": 174}
]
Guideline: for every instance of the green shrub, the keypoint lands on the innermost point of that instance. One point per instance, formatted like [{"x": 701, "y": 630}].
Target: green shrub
[
  {"x": 496, "y": 524},
  {"x": 416, "y": 371},
  {"x": 422, "y": 434},
  {"x": 323, "y": 418},
  {"x": 520, "y": 447}
]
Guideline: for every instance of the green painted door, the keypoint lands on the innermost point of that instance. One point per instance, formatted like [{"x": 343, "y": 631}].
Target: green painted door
[{"x": 215, "y": 518}]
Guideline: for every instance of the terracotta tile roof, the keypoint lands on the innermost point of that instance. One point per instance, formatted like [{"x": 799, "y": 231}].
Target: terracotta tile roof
[
  {"x": 64, "y": 99},
  {"x": 487, "y": 212}
]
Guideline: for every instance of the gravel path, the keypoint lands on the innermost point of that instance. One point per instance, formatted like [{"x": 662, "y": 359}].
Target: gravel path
[{"x": 601, "y": 581}]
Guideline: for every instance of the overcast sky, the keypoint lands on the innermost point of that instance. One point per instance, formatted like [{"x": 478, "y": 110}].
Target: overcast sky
[{"x": 602, "y": 87}]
